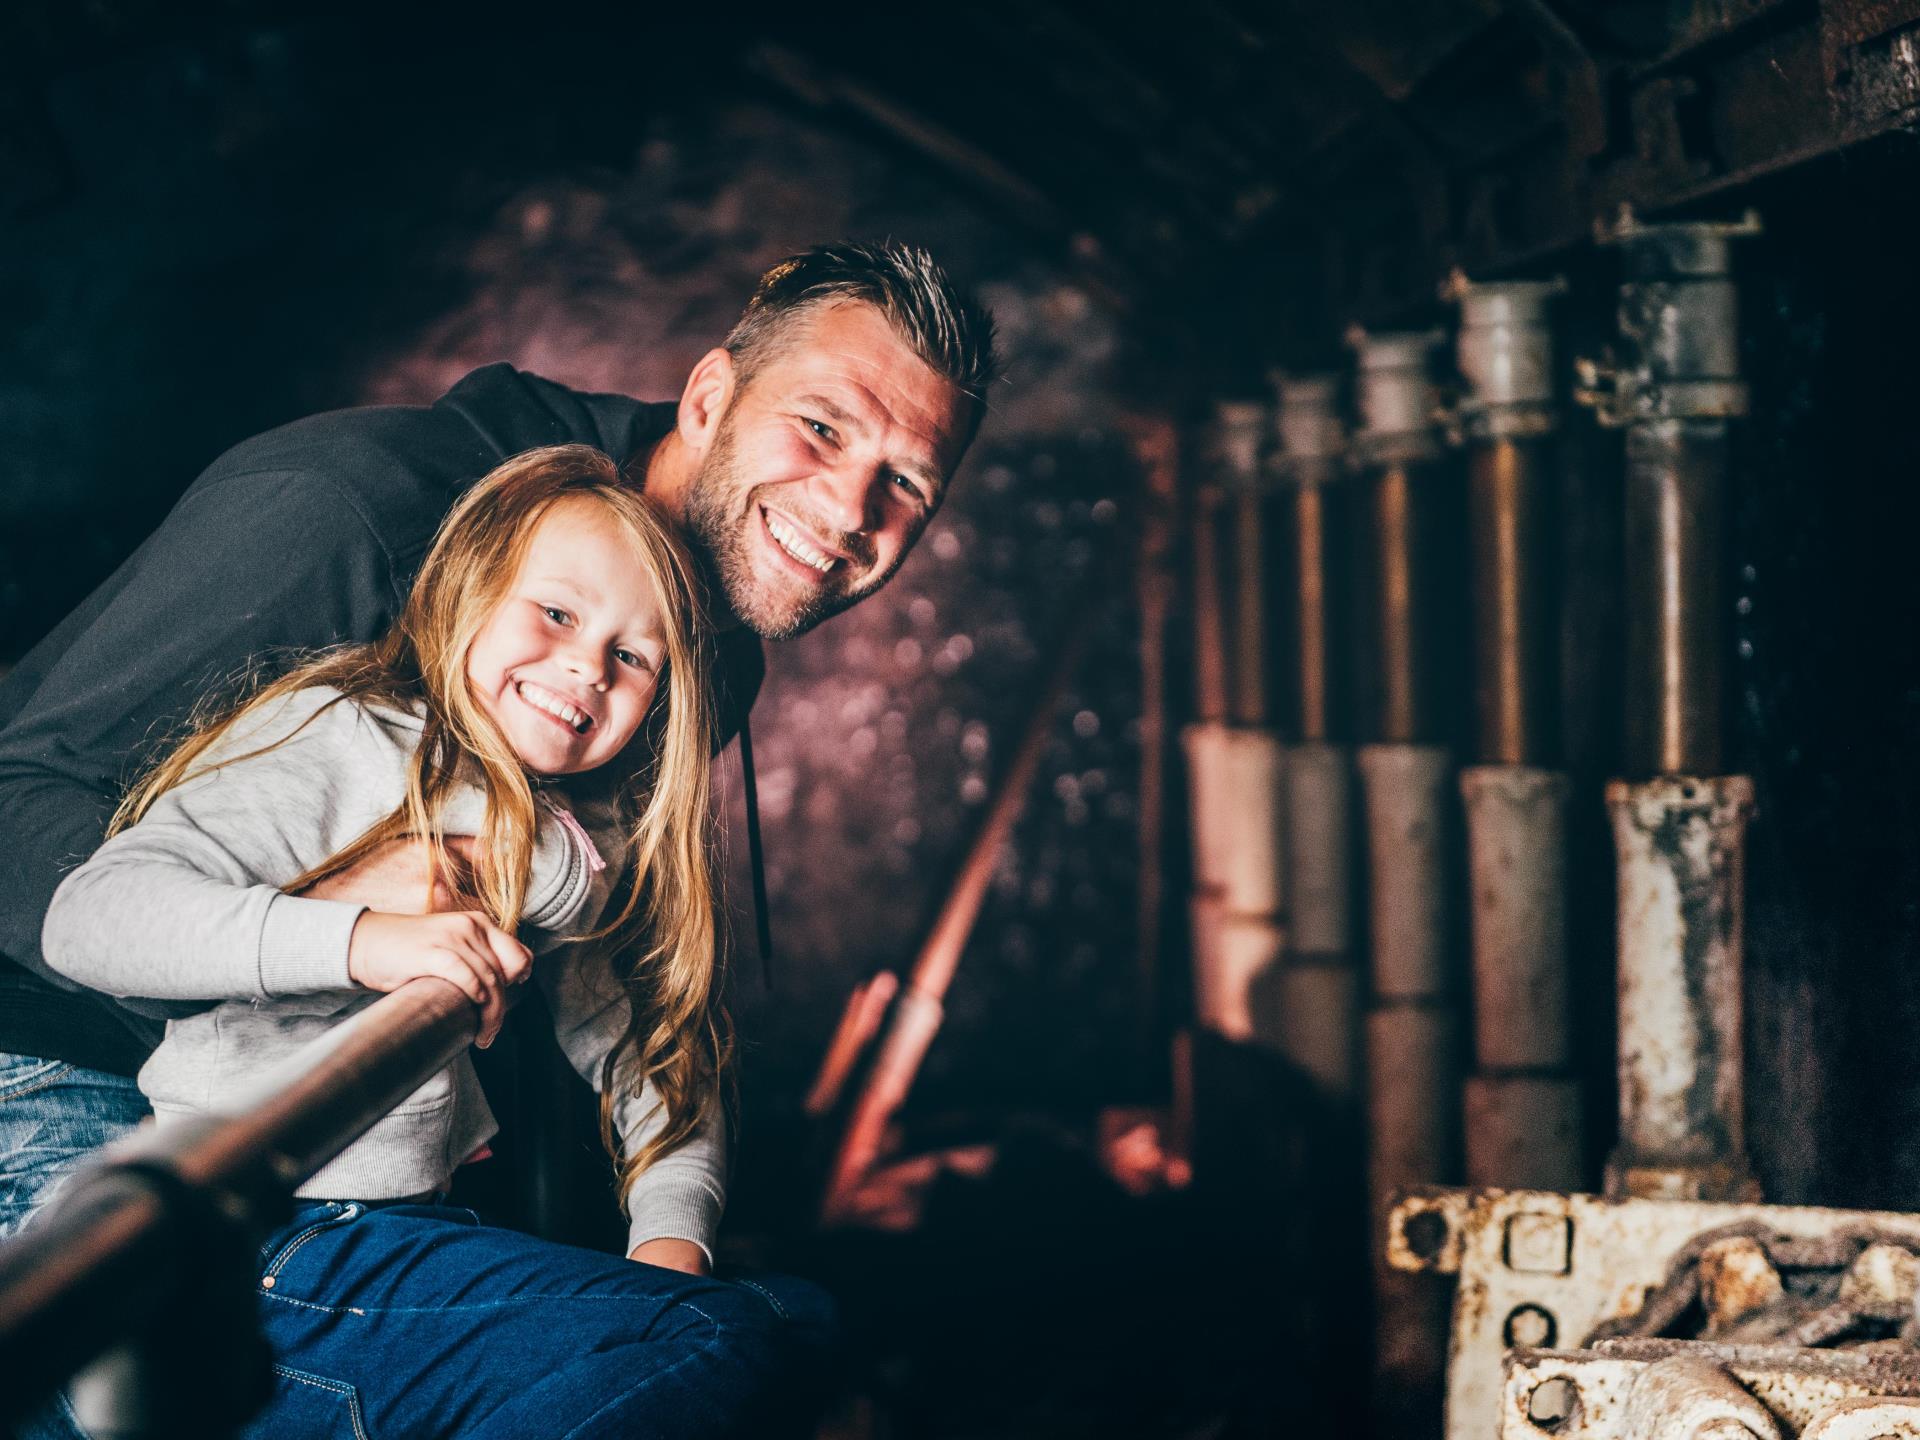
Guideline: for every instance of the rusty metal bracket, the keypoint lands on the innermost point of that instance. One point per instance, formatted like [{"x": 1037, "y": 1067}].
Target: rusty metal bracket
[
  {"x": 1630, "y": 1389},
  {"x": 1539, "y": 1269}
]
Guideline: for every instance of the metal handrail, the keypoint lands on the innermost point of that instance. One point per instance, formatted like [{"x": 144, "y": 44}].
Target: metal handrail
[{"x": 128, "y": 1234}]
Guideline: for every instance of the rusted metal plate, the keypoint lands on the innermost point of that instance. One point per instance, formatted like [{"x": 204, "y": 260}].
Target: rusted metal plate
[
  {"x": 1535, "y": 1263},
  {"x": 1629, "y": 1389}
]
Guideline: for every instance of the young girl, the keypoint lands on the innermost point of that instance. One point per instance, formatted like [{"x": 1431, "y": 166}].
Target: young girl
[{"x": 544, "y": 691}]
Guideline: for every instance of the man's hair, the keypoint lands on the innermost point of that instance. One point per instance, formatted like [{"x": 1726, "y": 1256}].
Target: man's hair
[{"x": 945, "y": 325}]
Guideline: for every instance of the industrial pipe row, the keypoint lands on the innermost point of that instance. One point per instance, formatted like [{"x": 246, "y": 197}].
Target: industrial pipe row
[{"x": 1274, "y": 923}]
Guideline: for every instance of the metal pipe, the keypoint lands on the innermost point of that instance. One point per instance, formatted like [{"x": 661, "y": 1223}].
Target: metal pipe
[
  {"x": 1396, "y": 445},
  {"x": 1240, "y": 429},
  {"x": 1679, "y": 835},
  {"x": 1413, "y": 1053},
  {"x": 1510, "y": 516},
  {"x": 1210, "y": 693},
  {"x": 1155, "y": 442},
  {"x": 918, "y": 1008},
  {"x": 1522, "y": 1108},
  {"x": 1681, "y": 845},
  {"x": 1320, "y": 991},
  {"x": 1674, "y": 392},
  {"x": 1676, "y": 631},
  {"x": 127, "y": 1237}
]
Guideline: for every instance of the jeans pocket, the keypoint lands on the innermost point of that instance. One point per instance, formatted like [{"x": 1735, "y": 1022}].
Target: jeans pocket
[
  {"x": 275, "y": 1254},
  {"x": 309, "y": 1407},
  {"x": 24, "y": 1074}
]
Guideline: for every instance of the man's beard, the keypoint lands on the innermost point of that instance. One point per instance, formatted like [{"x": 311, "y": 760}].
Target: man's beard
[{"x": 721, "y": 538}]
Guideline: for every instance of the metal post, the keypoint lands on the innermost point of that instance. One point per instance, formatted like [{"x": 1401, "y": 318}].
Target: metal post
[
  {"x": 1413, "y": 1060},
  {"x": 1320, "y": 986},
  {"x": 1522, "y": 1105},
  {"x": 1679, "y": 834},
  {"x": 1235, "y": 773}
]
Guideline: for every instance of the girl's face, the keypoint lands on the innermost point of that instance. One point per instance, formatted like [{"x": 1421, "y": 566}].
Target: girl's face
[{"x": 567, "y": 663}]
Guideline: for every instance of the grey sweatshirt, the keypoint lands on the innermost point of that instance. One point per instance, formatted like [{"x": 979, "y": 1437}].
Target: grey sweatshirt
[{"x": 186, "y": 905}]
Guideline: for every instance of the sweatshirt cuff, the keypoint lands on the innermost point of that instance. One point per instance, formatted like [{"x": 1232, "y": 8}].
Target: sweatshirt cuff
[
  {"x": 303, "y": 945},
  {"x": 690, "y": 1213}
]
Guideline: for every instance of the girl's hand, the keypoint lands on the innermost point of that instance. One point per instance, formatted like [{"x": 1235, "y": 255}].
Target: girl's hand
[
  {"x": 671, "y": 1255},
  {"x": 464, "y": 947}
]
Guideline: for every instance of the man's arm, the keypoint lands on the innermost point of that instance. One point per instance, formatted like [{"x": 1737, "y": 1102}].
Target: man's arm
[{"x": 243, "y": 567}]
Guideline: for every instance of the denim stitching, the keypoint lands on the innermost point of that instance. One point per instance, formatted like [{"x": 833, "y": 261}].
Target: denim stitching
[
  {"x": 287, "y": 1251},
  {"x": 768, "y": 1296},
  {"x": 337, "y": 1387},
  {"x": 479, "y": 1305},
  {"x": 52, "y": 1077}
]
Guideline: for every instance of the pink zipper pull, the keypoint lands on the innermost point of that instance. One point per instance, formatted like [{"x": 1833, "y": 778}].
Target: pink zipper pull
[{"x": 579, "y": 832}]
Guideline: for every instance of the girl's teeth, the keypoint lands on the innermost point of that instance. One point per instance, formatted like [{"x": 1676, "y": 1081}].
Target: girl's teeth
[{"x": 559, "y": 709}]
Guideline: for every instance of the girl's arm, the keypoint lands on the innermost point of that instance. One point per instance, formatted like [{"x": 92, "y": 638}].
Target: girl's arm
[
  {"x": 681, "y": 1195},
  {"x": 187, "y": 904}
]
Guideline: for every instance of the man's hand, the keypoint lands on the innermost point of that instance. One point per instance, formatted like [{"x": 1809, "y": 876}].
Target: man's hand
[
  {"x": 681, "y": 1255},
  {"x": 399, "y": 878},
  {"x": 464, "y": 948}
]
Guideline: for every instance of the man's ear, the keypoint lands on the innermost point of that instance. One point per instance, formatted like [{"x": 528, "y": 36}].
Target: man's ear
[{"x": 710, "y": 388}]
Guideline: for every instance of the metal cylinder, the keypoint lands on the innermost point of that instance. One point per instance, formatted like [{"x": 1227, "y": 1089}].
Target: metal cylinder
[
  {"x": 1397, "y": 440},
  {"x": 1308, "y": 459},
  {"x": 1413, "y": 1085},
  {"x": 1676, "y": 625},
  {"x": 1237, "y": 969},
  {"x": 1238, "y": 794},
  {"x": 1517, "y": 675},
  {"x": 1523, "y": 1132},
  {"x": 1505, "y": 354},
  {"x": 1240, "y": 430},
  {"x": 1517, "y": 876},
  {"x": 1317, "y": 1024},
  {"x": 1681, "y": 847},
  {"x": 1210, "y": 698},
  {"x": 1319, "y": 849},
  {"x": 1408, "y": 810},
  {"x": 1401, "y": 642},
  {"x": 1413, "y": 1132},
  {"x": 1688, "y": 1397},
  {"x": 1674, "y": 391}
]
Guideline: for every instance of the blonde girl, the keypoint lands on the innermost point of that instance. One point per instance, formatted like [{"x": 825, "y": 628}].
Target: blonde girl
[{"x": 544, "y": 691}]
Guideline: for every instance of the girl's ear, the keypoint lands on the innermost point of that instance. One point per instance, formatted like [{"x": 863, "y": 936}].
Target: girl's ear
[{"x": 709, "y": 390}]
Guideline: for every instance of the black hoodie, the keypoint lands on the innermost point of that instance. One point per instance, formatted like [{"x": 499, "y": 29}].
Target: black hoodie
[{"x": 308, "y": 535}]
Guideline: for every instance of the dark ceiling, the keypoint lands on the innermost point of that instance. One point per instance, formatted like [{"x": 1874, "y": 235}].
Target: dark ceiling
[{"x": 1306, "y": 161}]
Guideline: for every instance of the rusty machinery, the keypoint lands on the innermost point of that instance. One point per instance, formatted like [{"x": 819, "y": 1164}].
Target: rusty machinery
[{"x": 1674, "y": 1304}]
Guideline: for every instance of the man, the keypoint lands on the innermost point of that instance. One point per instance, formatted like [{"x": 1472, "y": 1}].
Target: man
[{"x": 805, "y": 456}]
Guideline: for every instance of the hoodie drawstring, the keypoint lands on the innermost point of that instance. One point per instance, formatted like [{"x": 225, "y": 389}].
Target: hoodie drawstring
[{"x": 756, "y": 862}]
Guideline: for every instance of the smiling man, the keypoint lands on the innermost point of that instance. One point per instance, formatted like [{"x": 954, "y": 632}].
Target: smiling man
[
  {"x": 804, "y": 457},
  {"x": 812, "y": 449}
]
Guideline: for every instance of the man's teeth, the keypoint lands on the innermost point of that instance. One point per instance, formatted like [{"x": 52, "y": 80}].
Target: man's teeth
[
  {"x": 555, "y": 706},
  {"x": 795, "y": 544}
]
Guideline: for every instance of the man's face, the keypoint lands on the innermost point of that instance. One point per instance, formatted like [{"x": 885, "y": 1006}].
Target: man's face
[{"x": 824, "y": 470}]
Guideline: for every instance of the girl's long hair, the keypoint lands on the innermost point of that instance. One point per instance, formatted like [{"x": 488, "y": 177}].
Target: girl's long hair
[{"x": 661, "y": 933}]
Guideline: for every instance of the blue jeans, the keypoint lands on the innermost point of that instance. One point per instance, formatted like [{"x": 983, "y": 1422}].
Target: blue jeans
[
  {"x": 52, "y": 1116},
  {"x": 397, "y": 1320}
]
